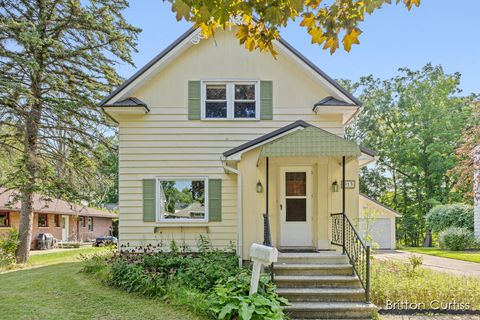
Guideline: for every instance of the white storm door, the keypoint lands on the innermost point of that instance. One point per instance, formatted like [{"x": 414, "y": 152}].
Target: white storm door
[
  {"x": 64, "y": 228},
  {"x": 295, "y": 207}
]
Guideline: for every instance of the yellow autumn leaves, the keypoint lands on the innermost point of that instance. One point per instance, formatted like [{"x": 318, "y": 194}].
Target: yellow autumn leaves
[{"x": 325, "y": 23}]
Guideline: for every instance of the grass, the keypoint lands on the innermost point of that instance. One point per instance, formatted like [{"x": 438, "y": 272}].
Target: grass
[
  {"x": 472, "y": 256},
  {"x": 55, "y": 290},
  {"x": 46, "y": 258},
  {"x": 395, "y": 281}
]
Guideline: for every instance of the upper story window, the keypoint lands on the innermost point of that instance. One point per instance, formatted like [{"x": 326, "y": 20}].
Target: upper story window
[{"x": 230, "y": 100}]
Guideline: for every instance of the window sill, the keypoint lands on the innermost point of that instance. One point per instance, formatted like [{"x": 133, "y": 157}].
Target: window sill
[{"x": 184, "y": 227}]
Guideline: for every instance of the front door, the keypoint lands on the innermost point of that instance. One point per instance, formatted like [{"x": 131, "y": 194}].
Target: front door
[
  {"x": 295, "y": 207},
  {"x": 64, "y": 228}
]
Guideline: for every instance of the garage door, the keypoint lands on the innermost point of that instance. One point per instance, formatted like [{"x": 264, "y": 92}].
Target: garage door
[{"x": 380, "y": 230}]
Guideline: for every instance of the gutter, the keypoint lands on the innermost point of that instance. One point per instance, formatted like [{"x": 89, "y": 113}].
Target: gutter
[{"x": 239, "y": 212}]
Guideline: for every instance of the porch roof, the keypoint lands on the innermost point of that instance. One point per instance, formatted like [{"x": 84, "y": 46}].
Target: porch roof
[
  {"x": 311, "y": 141},
  {"x": 301, "y": 139}
]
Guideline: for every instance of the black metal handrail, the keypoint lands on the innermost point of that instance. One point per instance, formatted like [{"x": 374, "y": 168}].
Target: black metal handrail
[
  {"x": 358, "y": 252},
  {"x": 267, "y": 237}
]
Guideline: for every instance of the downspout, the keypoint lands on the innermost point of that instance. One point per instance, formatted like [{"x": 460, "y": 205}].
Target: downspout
[{"x": 239, "y": 212}]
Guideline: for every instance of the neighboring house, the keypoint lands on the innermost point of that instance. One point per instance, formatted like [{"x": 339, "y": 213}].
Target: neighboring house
[
  {"x": 65, "y": 221},
  {"x": 240, "y": 133},
  {"x": 378, "y": 222}
]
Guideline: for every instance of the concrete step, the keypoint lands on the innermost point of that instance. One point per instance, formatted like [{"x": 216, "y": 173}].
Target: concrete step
[
  {"x": 330, "y": 310},
  {"x": 312, "y": 257},
  {"x": 323, "y": 281},
  {"x": 322, "y": 294},
  {"x": 312, "y": 269}
]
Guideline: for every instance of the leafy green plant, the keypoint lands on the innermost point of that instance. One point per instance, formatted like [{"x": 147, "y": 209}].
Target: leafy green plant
[
  {"x": 231, "y": 300},
  {"x": 415, "y": 262},
  {"x": 8, "y": 246},
  {"x": 450, "y": 215},
  {"x": 456, "y": 239}
]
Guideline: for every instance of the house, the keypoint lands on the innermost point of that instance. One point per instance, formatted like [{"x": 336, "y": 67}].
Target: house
[
  {"x": 377, "y": 223},
  {"x": 256, "y": 141},
  {"x": 65, "y": 221}
]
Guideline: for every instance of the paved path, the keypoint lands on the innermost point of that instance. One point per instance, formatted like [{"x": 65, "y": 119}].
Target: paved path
[{"x": 453, "y": 266}]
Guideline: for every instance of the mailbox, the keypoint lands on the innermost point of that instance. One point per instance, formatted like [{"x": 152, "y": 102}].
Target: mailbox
[{"x": 260, "y": 255}]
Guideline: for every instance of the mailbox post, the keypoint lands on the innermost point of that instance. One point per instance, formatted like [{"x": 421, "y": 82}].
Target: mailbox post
[{"x": 260, "y": 255}]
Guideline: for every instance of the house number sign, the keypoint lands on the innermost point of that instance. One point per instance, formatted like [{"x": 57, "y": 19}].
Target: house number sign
[{"x": 349, "y": 184}]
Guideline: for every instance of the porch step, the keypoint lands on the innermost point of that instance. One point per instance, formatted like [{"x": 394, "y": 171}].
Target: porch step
[
  {"x": 312, "y": 269},
  {"x": 323, "y": 281},
  {"x": 322, "y": 294},
  {"x": 327, "y": 257},
  {"x": 330, "y": 310}
]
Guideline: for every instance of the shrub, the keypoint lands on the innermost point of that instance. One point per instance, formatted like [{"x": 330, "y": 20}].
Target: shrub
[
  {"x": 8, "y": 247},
  {"x": 456, "y": 239},
  {"x": 231, "y": 300},
  {"x": 451, "y": 215}
]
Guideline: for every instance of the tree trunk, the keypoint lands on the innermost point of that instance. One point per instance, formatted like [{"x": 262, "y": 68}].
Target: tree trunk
[
  {"x": 476, "y": 190},
  {"x": 32, "y": 124}
]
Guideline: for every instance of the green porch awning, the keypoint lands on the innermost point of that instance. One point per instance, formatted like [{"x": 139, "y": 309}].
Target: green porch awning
[{"x": 310, "y": 141}]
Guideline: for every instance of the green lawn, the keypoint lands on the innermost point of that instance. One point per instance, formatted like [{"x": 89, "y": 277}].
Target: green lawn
[
  {"x": 59, "y": 291},
  {"x": 472, "y": 256}
]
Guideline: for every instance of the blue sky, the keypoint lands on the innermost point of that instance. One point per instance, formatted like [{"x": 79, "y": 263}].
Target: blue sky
[{"x": 439, "y": 31}]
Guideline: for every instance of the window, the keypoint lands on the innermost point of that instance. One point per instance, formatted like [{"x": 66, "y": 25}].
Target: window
[
  {"x": 230, "y": 100},
  {"x": 90, "y": 223},
  {"x": 182, "y": 199},
  {"x": 82, "y": 222},
  {"x": 42, "y": 220},
  {"x": 4, "y": 221},
  {"x": 57, "y": 221}
]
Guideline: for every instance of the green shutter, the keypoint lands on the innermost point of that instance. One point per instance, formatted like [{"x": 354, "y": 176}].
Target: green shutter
[
  {"x": 194, "y": 100},
  {"x": 266, "y": 100},
  {"x": 215, "y": 199},
  {"x": 149, "y": 200}
]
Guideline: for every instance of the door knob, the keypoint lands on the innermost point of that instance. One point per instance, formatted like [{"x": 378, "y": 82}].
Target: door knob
[{"x": 281, "y": 207}]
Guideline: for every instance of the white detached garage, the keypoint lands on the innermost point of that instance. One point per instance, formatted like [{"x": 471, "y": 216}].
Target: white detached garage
[{"x": 377, "y": 223}]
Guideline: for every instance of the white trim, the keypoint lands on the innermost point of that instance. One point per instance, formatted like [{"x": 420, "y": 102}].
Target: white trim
[
  {"x": 237, "y": 156},
  {"x": 284, "y": 239},
  {"x": 239, "y": 212},
  {"x": 230, "y": 98},
  {"x": 158, "y": 214},
  {"x": 186, "y": 43},
  {"x": 313, "y": 72},
  {"x": 150, "y": 72}
]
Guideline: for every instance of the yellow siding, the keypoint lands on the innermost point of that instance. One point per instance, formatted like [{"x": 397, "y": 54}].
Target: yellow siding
[{"x": 165, "y": 143}]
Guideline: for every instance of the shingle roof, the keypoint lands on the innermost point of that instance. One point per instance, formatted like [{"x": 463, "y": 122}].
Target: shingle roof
[
  {"x": 129, "y": 102},
  {"x": 191, "y": 30},
  {"x": 55, "y": 206},
  {"x": 273, "y": 134},
  {"x": 331, "y": 101}
]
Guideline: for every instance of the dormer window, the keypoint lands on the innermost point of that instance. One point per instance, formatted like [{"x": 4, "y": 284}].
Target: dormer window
[{"x": 230, "y": 100}]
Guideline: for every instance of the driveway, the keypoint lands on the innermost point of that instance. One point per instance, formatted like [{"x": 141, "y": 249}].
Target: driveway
[{"x": 453, "y": 266}]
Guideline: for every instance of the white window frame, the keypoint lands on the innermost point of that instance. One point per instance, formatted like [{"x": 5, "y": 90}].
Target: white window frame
[
  {"x": 230, "y": 95},
  {"x": 159, "y": 216}
]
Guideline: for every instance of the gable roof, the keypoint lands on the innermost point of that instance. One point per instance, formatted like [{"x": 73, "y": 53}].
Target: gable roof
[
  {"x": 394, "y": 212},
  {"x": 129, "y": 102},
  {"x": 299, "y": 124},
  {"x": 54, "y": 206},
  {"x": 331, "y": 101},
  {"x": 190, "y": 32}
]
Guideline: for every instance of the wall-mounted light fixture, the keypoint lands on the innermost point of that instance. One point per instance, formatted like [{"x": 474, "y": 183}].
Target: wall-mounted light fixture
[
  {"x": 335, "y": 186},
  {"x": 259, "y": 187}
]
